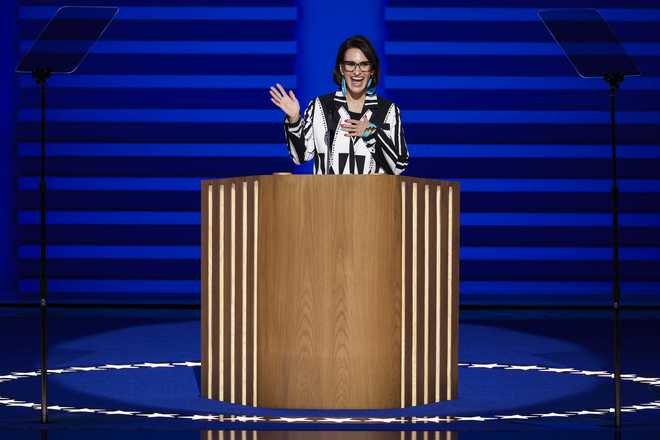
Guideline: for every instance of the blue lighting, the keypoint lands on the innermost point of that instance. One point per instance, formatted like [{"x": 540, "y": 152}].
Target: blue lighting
[
  {"x": 178, "y": 13},
  {"x": 176, "y": 93}
]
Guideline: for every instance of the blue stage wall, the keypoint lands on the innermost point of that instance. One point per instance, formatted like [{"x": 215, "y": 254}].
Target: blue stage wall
[
  {"x": 177, "y": 92},
  {"x": 8, "y": 244}
]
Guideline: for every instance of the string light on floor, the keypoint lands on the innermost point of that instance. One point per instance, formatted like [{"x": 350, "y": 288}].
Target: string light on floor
[{"x": 234, "y": 418}]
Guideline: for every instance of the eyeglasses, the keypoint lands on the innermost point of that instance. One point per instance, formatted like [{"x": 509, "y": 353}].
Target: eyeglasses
[{"x": 349, "y": 66}]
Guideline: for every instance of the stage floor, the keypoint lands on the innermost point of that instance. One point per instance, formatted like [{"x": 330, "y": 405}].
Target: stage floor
[{"x": 520, "y": 371}]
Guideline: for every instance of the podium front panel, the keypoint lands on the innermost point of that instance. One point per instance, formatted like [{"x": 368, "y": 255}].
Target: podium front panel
[{"x": 329, "y": 291}]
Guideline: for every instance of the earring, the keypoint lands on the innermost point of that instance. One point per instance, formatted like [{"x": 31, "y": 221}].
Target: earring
[
  {"x": 343, "y": 86},
  {"x": 370, "y": 90}
]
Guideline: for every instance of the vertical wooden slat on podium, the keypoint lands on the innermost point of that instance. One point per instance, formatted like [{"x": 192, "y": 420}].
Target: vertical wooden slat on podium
[
  {"x": 455, "y": 209},
  {"x": 432, "y": 292},
  {"x": 233, "y": 294},
  {"x": 425, "y": 346},
  {"x": 239, "y": 293},
  {"x": 444, "y": 333},
  {"x": 226, "y": 291},
  {"x": 419, "y": 294},
  {"x": 214, "y": 305},
  {"x": 219, "y": 301},
  {"x": 255, "y": 293},
  {"x": 409, "y": 295},
  {"x": 404, "y": 336},
  {"x": 437, "y": 267},
  {"x": 249, "y": 317},
  {"x": 206, "y": 272},
  {"x": 415, "y": 286}
]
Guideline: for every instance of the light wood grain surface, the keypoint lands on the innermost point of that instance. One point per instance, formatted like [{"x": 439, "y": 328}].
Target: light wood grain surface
[
  {"x": 330, "y": 299},
  {"x": 329, "y": 291}
]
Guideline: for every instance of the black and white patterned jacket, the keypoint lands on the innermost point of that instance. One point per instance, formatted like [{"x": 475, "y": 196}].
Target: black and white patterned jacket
[{"x": 317, "y": 135}]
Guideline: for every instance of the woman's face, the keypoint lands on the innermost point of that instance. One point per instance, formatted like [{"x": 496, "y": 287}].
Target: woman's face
[{"x": 356, "y": 70}]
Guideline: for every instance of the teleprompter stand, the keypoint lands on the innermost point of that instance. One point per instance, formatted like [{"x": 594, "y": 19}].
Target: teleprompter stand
[
  {"x": 595, "y": 52},
  {"x": 60, "y": 48}
]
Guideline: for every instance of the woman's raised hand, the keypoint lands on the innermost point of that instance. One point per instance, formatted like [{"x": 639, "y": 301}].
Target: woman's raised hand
[{"x": 287, "y": 102}]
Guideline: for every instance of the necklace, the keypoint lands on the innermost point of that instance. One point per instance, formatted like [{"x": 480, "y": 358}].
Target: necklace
[{"x": 355, "y": 105}]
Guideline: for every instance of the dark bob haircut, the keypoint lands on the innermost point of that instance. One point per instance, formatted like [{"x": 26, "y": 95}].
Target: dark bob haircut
[{"x": 358, "y": 42}]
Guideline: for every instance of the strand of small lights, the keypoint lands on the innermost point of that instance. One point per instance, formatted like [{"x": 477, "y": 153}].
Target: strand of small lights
[{"x": 224, "y": 418}]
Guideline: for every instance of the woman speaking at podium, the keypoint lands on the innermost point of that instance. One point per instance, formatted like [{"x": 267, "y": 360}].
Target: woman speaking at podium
[{"x": 351, "y": 131}]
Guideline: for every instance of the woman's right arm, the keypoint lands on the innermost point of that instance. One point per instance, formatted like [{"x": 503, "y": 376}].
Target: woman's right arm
[
  {"x": 300, "y": 136},
  {"x": 299, "y": 132}
]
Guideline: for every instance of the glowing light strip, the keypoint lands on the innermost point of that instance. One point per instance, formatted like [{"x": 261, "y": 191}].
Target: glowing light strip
[
  {"x": 232, "y": 310},
  {"x": 162, "y": 81},
  {"x": 414, "y": 294},
  {"x": 238, "y": 115},
  {"x": 471, "y": 185},
  {"x": 413, "y": 14},
  {"x": 221, "y": 293},
  {"x": 423, "y": 48},
  {"x": 178, "y": 13},
  {"x": 438, "y": 290},
  {"x": 648, "y": 381},
  {"x": 244, "y": 323},
  {"x": 426, "y": 294},
  {"x": 167, "y": 47},
  {"x": 209, "y": 293}
]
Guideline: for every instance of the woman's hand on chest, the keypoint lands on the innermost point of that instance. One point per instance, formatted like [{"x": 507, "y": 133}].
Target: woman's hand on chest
[{"x": 352, "y": 127}]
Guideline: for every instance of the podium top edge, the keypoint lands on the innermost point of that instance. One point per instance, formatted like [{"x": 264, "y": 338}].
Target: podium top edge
[{"x": 271, "y": 177}]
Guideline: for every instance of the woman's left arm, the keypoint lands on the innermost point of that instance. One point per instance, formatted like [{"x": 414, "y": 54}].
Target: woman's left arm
[{"x": 388, "y": 144}]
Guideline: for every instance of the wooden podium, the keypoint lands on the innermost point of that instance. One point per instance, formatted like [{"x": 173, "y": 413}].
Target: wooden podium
[{"x": 329, "y": 291}]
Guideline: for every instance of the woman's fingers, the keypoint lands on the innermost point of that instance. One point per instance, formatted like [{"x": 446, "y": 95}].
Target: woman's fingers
[
  {"x": 350, "y": 132},
  {"x": 353, "y": 127},
  {"x": 283, "y": 100},
  {"x": 281, "y": 90},
  {"x": 278, "y": 93},
  {"x": 275, "y": 95}
]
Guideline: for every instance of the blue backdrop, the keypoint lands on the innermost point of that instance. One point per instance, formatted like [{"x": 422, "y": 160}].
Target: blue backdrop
[{"x": 176, "y": 92}]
